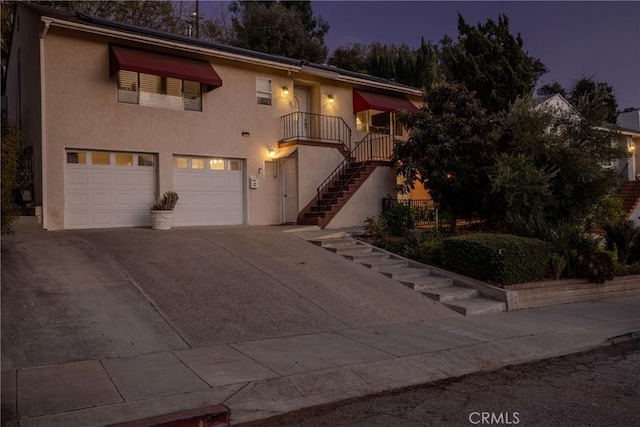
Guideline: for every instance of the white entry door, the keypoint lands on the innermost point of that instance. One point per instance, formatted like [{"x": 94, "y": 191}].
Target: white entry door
[
  {"x": 301, "y": 100},
  {"x": 108, "y": 189},
  {"x": 210, "y": 191},
  {"x": 290, "y": 189}
]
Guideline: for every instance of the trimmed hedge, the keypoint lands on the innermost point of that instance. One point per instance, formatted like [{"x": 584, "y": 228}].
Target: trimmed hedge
[{"x": 497, "y": 258}]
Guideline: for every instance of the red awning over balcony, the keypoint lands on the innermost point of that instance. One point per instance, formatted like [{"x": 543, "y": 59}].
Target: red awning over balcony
[
  {"x": 121, "y": 58},
  {"x": 375, "y": 101}
]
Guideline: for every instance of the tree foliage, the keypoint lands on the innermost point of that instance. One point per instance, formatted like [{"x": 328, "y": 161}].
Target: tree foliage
[
  {"x": 280, "y": 28},
  {"x": 450, "y": 148},
  {"x": 591, "y": 98},
  {"x": 11, "y": 144},
  {"x": 413, "y": 67},
  {"x": 555, "y": 161},
  {"x": 551, "y": 89},
  {"x": 491, "y": 61}
]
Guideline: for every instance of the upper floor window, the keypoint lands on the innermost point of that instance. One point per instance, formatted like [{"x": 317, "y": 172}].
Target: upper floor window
[
  {"x": 263, "y": 91},
  {"x": 374, "y": 121},
  {"x": 159, "y": 91}
]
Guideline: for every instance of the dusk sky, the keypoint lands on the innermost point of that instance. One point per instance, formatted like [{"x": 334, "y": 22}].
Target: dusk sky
[{"x": 600, "y": 40}]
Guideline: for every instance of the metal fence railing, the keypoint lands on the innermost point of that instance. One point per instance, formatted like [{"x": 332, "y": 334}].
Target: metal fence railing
[{"x": 417, "y": 213}]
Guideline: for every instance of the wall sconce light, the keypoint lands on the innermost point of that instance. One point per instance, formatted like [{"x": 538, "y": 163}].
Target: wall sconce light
[
  {"x": 259, "y": 171},
  {"x": 285, "y": 91},
  {"x": 272, "y": 152},
  {"x": 330, "y": 99},
  {"x": 632, "y": 148}
]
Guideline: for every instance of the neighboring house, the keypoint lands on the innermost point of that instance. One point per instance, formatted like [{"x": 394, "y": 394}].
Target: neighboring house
[
  {"x": 628, "y": 129},
  {"x": 114, "y": 114},
  {"x": 627, "y": 137}
]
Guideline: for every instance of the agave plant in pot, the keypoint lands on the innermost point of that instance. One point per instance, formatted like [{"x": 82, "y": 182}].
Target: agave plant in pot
[{"x": 162, "y": 211}]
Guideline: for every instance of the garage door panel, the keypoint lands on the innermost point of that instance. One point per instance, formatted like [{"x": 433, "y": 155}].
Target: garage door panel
[
  {"x": 101, "y": 179},
  {"x": 209, "y": 197},
  {"x": 77, "y": 178},
  {"x": 125, "y": 179},
  {"x": 101, "y": 219},
  {"x": 100, "y": 196},
  {"x": 101, "y": 199},
  {"x": 78, "y": 199}
]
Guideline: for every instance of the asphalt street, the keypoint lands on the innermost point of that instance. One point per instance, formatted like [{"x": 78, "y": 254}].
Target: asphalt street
[{"x": 597, "y": 388}]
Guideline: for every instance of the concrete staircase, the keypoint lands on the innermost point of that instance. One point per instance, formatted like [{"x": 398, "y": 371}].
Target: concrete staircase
[
  {"x": 324, "y": 207},
  {"x": 465, "y": 300}
]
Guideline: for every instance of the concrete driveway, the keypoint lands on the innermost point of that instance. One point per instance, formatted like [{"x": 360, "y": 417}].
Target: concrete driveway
[{"x": 91, "y": 294}]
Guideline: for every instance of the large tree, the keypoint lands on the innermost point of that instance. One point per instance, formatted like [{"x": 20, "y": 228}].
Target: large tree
[
  {"x": 591, "y": 98},
  {"x": 450, "y": 148},
  {"x": 280, "y": 28},
  {"x": 551, "y": 173},
  {"x": 491, "y": 61},
  {"x": 414, "y": 67}
]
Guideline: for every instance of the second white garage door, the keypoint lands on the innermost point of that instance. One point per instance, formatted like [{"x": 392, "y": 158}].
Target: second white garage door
[{"x": 210, "y": 191}]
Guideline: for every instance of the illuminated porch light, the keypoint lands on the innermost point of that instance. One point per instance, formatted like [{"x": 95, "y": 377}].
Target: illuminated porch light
[
  {"x": 272, "y": 152},
  {"x": 285, "y": 91},
  {"x": 330, "y": 99}
]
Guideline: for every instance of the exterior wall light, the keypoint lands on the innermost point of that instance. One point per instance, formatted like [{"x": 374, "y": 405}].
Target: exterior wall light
[
  {"x": 285, "y": 91},
  {"x": 331, "y": 99},
  {"x": 272, "y": 152}
]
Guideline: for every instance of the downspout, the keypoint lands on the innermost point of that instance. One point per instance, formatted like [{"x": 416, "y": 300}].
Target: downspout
[{"x": 43, "y": 124}]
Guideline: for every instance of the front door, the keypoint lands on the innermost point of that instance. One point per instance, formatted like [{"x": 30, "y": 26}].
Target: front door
[
  {"x": 301, "y": 101},
  {"x": 290, "y": 189}
]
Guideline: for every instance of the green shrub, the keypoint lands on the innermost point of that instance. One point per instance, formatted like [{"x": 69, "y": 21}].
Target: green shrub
[
  {"x": 595, "y": 265},
  {"x": 397, "y": 216},
  {"x": 497, "y": 258},
  {"x": 167, "y": 202},
  {"x": 430, "y": 252},
  {"x": 375, "y": 228},
  {"x": 622, "y": 236}
]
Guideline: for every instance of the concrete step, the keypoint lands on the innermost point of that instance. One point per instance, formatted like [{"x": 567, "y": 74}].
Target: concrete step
[
  {"x": 404, "y": 273},
  {"x": 363, "y": 257},
  {"x": 476, "y": 306},
  {"x": 426, "y": 282},
  {"x": 385, "y": 264},
  {"x": 450, "y": 293},
  {"x": 334, "y": 243},
  {"x": 350, "y": 249}
]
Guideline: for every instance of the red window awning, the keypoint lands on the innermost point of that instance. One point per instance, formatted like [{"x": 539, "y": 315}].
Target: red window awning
[
  {"x": 375, "y": 101},
  {"x": 121, "y": 58}
]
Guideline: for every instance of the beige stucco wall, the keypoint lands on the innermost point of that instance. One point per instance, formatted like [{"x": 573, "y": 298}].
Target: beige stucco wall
[
  {"x": 367, "y": 201},
  {"x": 314, "y": 165},
  {"x": 82, "y": 112}
]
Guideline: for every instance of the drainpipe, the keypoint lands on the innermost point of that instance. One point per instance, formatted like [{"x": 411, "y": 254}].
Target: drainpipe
[{"x": 43, "y": 125}]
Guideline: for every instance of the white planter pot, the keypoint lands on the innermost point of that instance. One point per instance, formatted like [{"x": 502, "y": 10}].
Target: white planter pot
[{"x": 161, "y": 220}]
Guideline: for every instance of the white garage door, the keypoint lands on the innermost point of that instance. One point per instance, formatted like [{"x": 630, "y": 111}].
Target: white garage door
[
  {"x": 210, "y": 191},
  {"x": 108, "y": 189}
]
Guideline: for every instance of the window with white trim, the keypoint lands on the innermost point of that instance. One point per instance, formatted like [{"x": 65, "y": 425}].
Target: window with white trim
[
  {"x": 159, "y": 91},
  {"x": 263, "y": 91},
  {"x": 378, "y": 122}
]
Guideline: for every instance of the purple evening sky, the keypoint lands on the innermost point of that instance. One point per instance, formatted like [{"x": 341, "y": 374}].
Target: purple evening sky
[{"x": 573, "y": 39}]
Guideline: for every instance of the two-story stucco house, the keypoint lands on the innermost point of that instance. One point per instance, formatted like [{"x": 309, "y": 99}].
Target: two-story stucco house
[{"x": 114, "y": 114}]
